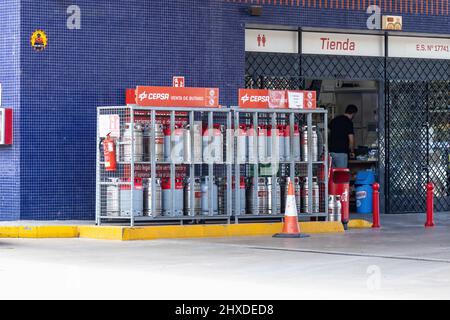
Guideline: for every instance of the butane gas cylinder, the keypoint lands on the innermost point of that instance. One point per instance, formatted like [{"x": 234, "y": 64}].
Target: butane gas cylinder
[
  {"x": 334, "y": 208},
  {"x": 298, "y": 193},
  {"x": 205, "y": 187},
  {"x": 112, "y": 199},
  {"x": 262, "y": 143},
  {"x": 149, "y": 194},
  {"x": 287, "y": 143},
  {"x": 297, "y": 144},
  {"x": 138, "y": 143},
  {"x": 251, "y": 138},
  {"x": 281, "y": 142},
  {"x": 174, "y": 144},
  {"x": 159, "y": 143},
  {"x": 314, "y": 141},
  {"x": 276, "y": 209},
  {"x": 195, "y": 194},
  {"x": 315, "y": 196},
  {"x": 243, "y": 197},
  {"x": 178, "y": 200},
  {"x": 138, "y": 199},
  {"x": 242, "y": 141},
  {"x": 258, "y": 193}
]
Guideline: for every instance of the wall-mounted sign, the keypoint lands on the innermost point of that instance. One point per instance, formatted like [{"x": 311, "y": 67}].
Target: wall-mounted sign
[
  {"x": 275, "y": 41},
  {"x": 6, "y": 126},
  {"x": 109, "y": 124},
  {"x": 178, "y": 82},
  {"x": 422, "y": 48},
  {"x": 392, "y": 23},
  {"x": 277, "y": 99},
  {"x": 39, "y": 40},
  {"x": 177, "y": 97},
  {"x": 343, "y": 44}
]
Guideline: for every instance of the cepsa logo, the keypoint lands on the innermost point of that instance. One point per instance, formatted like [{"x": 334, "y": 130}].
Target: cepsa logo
[
  {"x": 154, "y": 96},
  {"x": 255, "y": 99}
]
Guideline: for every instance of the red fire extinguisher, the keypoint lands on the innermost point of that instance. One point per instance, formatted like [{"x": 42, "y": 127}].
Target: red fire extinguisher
[{"x": 109, "y": 150}]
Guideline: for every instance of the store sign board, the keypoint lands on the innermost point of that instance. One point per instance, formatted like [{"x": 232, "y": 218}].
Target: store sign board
[
  {"x": 274, "y": 41},
  {"x": 343, "y": 44},
  {"x": 421, "y": 48},
  {"x": 277, "y": 99},
  {"x": 177, "y": 97}
]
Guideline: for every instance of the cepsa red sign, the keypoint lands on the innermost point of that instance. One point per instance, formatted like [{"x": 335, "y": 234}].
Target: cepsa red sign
[
  {"x": 276, "y": 99},
  {"x": 177, "y": 97}
]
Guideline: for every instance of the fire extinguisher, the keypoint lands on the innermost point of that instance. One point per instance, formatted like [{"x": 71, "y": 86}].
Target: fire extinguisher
[{"x": 109, "y": 151}]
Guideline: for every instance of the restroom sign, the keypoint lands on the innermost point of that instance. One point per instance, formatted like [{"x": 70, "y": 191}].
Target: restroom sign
[{"x": 275, "y": 41}]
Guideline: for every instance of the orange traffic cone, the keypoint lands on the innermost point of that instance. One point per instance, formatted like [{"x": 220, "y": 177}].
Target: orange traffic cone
[{"x": 291, "y": 228}]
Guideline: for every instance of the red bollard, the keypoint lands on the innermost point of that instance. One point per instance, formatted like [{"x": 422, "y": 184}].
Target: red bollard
[
  {"x": 430, "y": 205},
  {"x": 376, "y": 206}
]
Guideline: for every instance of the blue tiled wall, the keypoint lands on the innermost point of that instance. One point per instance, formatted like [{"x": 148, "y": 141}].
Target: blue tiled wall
[
  {"x": 10, "y": 81},
  {"x": 123, "y": 43}
]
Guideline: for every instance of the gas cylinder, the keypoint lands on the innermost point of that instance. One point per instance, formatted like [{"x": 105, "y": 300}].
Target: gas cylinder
[
  {"x": 149, "y": 194},
  {"x": 178, "y": 200},
  {"x": 159, "y": 142},
  {"x": 297, "y": 144},
  {"x": 138, "y": 143},
  {"x": 315, "y": 196},
  {"x": 334, "y": 208},
  {"x": 138, "y": 199},
  {"x": 243, "y": 197},
  {"x": 205, "y": 187},
  {"x": 258, "y": 193},
  {"x": 187, "y": 145},
  {"x": 174, "y": 144},
  {"x": 314, "y": 142},
  {"x": 198, "y": 147},
  {"x": 298, "y": 192},
  {"x": 222, "y": 186},
  {"x": 277, "y": 209},
  {"x": 287, "y": 143},
  {"x": 213, "y": 144},
  {"x": 196, "y": 195},
  {"x": 281, "y": 142},
  {"x": 269, "y": 148},
  {"x": 112, "y": 199},
  {"x": 262, "y": 143},
  {"x": 242, "y": 147},
  {"x": 251, "y": 143}
]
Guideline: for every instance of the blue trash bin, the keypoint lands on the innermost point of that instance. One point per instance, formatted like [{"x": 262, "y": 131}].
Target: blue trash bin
[{"x": 364, "y": 191}]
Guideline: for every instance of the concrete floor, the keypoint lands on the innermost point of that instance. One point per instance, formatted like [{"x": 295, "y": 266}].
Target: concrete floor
[{"x": 401, "y": 261}]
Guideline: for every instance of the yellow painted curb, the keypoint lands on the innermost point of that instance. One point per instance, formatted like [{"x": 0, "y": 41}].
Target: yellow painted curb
[
  {"x": 101, "y": 233},
  {"x": 359, "y": 224},
  {"x": 39, "y": 232},
  {"x": 9, "y": 232},
  {"x": 213, "y": 231},
  {"x": 163, "y": 232}
]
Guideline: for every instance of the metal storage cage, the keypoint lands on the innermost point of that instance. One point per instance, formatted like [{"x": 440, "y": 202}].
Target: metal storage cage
[
  {"x": 165, "y": 175},
  {"x": 306, "y": 166}
]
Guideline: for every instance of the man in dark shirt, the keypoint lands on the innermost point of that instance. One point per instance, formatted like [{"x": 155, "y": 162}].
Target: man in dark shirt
[{"x": 342, "y": 138}]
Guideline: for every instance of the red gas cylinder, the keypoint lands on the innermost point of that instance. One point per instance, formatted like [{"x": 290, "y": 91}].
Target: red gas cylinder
[{"x": 339, "y": 185}]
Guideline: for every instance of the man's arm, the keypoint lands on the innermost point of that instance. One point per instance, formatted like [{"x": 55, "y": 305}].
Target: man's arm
[{"x": 351, "y": 139}]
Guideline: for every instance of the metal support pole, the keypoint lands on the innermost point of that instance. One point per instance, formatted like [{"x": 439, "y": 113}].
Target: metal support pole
[
  {"x": 237, "y": 173},
  {"x": 310, "y": 164},
  {"x": 326, "y": 160},
  {"x": 229, "y": 164},
  {"x": 275, "y": 150},
  {"x": 210, "y": 165},
  {"x": 132, "y": 165},
  {"x": 153, "y": 161},
  {"x": 256, "y": 164},
  {"x": 172, "y": 164},
  {"x": 192, "y": 165},
  {"x": 98, "y": 205}
]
